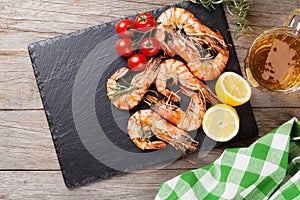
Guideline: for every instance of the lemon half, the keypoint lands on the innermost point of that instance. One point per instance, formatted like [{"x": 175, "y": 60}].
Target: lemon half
[
  {"x": 221, "y": 122},
  {"x": 232, "y": 89}
]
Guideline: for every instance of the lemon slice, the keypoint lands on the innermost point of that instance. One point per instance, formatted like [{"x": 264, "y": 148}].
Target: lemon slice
[
  {"x": 232, "y": 89},
  {"x": 221, "y": 122}
]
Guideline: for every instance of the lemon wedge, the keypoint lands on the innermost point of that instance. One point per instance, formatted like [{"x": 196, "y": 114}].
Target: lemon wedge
[
  {"x": 232, "y": 89},
  {"x": 221, "y": 122}
]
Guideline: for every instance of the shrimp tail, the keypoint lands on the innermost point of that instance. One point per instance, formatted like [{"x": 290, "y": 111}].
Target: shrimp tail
[
  {"x": 211, "y": 97},
  {"x": 179, "y": 139},
  {"x": 144, "y": 144}
]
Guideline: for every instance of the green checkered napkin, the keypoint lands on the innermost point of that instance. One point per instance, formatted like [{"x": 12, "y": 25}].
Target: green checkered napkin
[{"x": 268, "y": 169}]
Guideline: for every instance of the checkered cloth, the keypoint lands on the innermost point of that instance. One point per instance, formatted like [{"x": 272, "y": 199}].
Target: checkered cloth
[{"x": 268, "y": 169}]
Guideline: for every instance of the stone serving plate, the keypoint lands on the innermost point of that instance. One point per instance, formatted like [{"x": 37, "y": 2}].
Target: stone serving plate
[{"x": 89, "y": 134}]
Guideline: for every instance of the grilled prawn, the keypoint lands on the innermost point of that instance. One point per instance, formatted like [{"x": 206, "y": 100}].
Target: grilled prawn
[
  {"x": 144, "y": 124},
  {"x": 178, "y": 71},
  {"x": 181, "y": 33},
  {"x": 188, "y": 120},
  {"x": 127, "y": 97}
]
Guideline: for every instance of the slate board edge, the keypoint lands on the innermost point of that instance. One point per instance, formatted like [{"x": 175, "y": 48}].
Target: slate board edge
[
  {"x": 49, "y": 41},
  {"x": 240, "y": 69}
]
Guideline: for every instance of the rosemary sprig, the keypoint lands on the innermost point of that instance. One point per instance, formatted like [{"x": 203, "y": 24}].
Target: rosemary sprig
[
  {"x": 120, "y": 90},
  {"x": 208, "y": 4},
  {"x": 241, "y": 8}
]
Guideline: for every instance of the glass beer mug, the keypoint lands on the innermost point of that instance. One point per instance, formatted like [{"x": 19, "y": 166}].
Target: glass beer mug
[{"x": 273, "y": 60}]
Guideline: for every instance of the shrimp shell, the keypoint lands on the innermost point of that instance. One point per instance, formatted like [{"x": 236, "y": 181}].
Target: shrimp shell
[
  {"x": 128, "y": 98},
  {"x": 188, "y": 120},
  {"x": 139, "y": 130},
  {"x": 179, "y": 72},
  {"x": 181, "y": 33},
  {"x": 143, "y": 123}
]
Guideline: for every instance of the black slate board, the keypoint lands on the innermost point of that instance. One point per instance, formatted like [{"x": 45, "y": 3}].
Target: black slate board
[{"x": 88, "y": 133}]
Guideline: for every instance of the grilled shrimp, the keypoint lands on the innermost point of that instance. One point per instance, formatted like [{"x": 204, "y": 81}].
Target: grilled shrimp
[
  {"x": 144, "y": 124},
  {"x": 179, "y": 72},
  {"x": 188, "y": 120},
  {"x": 127, "y": 97},
  {"x": 176, "y": 137},
  {"x": 181, "y": 33},
  {"x": 139, "y": 130}
]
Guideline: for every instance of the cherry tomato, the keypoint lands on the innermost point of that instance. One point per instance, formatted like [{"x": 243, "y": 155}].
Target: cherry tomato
[
  {"x": 125, "y": 47},
  {"x": 137, "y": 62},
  {"x": 150, "y": 46},
  {"x": 125, "y": 28},
  {"x": 144, "y": 22}
]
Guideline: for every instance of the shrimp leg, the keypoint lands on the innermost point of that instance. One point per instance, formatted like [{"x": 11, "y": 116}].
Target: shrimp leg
[
  {"x": 144, "y": 124},
  {"x": 139, "y": 130},
  {"x": 181, "y": 33},
  {"x": 188, "y": 120},
  {"x": 127, "y": 97}
]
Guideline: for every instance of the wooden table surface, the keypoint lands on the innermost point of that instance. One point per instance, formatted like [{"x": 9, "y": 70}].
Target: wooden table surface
[{"x": 28, "y": 164}]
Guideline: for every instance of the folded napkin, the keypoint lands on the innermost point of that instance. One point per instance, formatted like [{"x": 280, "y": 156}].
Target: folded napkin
[{"x": 268, "y": 169}]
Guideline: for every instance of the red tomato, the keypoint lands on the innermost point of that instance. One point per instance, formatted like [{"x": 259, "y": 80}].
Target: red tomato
[
  {"x": 137, "y": 62},
  {"x": 125, "y": 28},
  {"x": 125, "y": 47},
  {"x": 144, "y": 22},
  {"x": 150, "y": 46}
]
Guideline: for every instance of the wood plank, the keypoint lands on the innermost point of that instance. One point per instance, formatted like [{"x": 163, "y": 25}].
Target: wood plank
[
  {"x": 19, "y": 90},
  {"x": 139, "y": 185},
  {"x": 26, "y": 21},
  {"x": 26, "y": 142},
  {"x": 32, "y": 21},
  {"x": 23, "y": 22},
  {"x": 49, "y": 185},
  {"x": 261, "y": 99},
  {"x": 18, "y": 85},
  {"x": 269, "y": 118}
]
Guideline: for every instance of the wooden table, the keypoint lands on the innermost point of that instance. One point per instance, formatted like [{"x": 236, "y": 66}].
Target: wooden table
[{"x": 28, "y": 164}]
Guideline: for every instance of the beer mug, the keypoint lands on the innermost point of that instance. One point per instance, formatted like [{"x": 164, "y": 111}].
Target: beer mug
[{"x": 273, "y": 60}]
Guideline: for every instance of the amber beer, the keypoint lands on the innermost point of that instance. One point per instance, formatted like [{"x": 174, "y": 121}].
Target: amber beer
[{"x": 274, "y": 61}]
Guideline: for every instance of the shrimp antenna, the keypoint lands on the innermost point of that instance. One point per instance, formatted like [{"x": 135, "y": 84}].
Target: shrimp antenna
[{"x": 154, "y": 92}]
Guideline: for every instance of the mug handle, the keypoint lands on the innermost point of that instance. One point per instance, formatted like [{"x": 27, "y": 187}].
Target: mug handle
[{"x": 293, "y": 20}]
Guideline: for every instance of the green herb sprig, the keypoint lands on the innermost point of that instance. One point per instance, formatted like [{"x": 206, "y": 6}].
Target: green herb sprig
[
  {"x": 241, "y": 9},
  {"x": 120, "y": 90}
]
